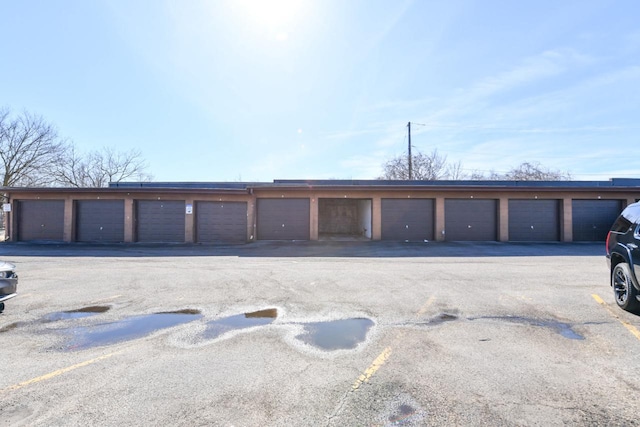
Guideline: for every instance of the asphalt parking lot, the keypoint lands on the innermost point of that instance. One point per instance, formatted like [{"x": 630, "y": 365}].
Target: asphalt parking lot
[{"x": 317, "y": 334}]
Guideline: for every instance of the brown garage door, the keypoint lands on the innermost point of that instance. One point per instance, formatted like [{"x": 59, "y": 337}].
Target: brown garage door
[
  {"x": 534, "y": 220},
  {"x": 283, "y": 219},
  {"x": 221, "y": 222},
  {"x": 407, "y": 219},
  {"x": 100, "y": 221},
  {"x": 592, "y": 219},
  {"x": 41, "y": 220},
  {"x": 160, "y": 221},
  {"x": 471, "y": 219}
]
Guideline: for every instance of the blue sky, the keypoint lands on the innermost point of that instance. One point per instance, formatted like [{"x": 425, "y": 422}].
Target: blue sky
[{"x": 242, "y": 90}]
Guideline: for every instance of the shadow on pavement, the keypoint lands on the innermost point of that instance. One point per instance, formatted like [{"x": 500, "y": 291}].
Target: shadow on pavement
[{"x": 302, "y": 249}]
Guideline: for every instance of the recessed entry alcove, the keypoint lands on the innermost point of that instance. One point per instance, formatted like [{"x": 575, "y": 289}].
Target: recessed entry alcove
[{"x": 344, "y": 219}]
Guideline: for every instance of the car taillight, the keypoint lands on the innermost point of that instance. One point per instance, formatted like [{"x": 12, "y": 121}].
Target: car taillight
[{"x": 607, "y": 243}]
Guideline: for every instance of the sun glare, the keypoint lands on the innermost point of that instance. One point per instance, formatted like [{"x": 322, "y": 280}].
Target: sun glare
[{"x": 278, "y": 17}]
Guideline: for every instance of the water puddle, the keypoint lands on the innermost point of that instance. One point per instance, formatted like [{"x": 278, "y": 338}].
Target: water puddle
[
  {"x": 84, "y": 337},
  {"x": 215, "y": 328},
  {"x": 343, "y": 334},
  {"x": 77, "y": 314},
  {"x": 61, "y": 315},
  {"x": 562, "y": 328}
]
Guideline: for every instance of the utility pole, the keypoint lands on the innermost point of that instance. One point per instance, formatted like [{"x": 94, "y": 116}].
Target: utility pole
[{"x": 409, "y": 159}]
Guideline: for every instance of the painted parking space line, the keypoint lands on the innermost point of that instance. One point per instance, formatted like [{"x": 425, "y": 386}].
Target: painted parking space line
[
  {"x": 372, "y": 369},
  {"x": 426, "y": 306},
  {"x": 383, "y": 357},
  {"x": 634, "y": 331},
  {"x": 57, "y": 372}
]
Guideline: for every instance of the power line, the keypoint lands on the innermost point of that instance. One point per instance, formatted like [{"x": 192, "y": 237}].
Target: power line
[{"x": 531, "y": 130}]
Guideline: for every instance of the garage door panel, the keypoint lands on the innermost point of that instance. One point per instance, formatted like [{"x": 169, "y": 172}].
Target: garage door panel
[
  {"x": 160, "y": 221},
  {"x": 283, "y": 219},
  {"x": 221, "y": 222},
  {"x": 407, "y": 219},
  {"x": 471, "y": 220},
  {"x": 592, "y": 219},
  {"x": 100, "y": 221},
  {"x": 534, "y": 220},
  {"x": 41, "y": 220}
]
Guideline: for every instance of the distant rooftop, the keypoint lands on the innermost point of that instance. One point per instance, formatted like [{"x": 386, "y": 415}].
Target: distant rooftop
[
  {"x": 207, "y": 185},
  {"x": 613, "y": 182}
]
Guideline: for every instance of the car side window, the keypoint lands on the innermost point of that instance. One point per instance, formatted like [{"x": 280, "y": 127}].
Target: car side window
[{"x": 622, "y": 224}]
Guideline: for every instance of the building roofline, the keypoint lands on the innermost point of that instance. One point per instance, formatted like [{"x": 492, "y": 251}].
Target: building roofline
[
  {"x": 614, "y": 182},
  {"x": 120, "y": 190},
  {"x": 621, "y": 184}
]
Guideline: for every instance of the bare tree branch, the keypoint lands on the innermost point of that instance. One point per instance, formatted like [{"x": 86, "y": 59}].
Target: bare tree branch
[
  {"x": 29, "y": 148},
  {"x": 455, "y": 171},
  {"x": 526, "y": 171},
  {"x": 427, "y": 167},
  {"x": 99, "y": 168},
  {"x": 433, "y": 166}
]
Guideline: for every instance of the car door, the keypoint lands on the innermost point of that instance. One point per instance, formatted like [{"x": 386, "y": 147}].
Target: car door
[{"x": 634, "y": 247}]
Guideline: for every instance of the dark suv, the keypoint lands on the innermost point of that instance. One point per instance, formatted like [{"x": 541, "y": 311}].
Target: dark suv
[{"x": 623, "y": 257}]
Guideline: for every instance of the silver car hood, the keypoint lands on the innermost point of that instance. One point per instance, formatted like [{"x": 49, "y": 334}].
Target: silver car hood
[{"x": 6, "y": 266}]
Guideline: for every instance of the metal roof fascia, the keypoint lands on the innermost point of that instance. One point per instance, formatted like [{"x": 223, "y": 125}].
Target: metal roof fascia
[
  {"x": 109, "y": 190},
  {"x": 452, "y": 188}
]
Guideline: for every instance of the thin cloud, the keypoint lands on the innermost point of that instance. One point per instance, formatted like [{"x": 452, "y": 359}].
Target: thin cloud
[{"x": 366, "y": 166}]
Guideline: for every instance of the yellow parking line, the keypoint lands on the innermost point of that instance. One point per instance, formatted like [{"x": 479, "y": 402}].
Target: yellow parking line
[
  {"x": 386, "y": 353},
  {"x": 56, "y": 373},
  {"x": 629, "y": 326},
  {"x": 372, "y": 369},
  {"x": 426, "y": 306}
]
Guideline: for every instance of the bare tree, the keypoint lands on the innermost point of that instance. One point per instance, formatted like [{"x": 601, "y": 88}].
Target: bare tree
[
  {"x": 492, "y": 175},
  {"x": 526, "y": 171},
  {"x": 434, "y": 166},
  {"x": 72, "y": 171},
  {"x": 535, "y": 172},
  {"x": 29, "y": 148},
  {"x": 99, "y": 168},
  {"x": 427, "y": 167},
  {"x": 455, "y": 171}
]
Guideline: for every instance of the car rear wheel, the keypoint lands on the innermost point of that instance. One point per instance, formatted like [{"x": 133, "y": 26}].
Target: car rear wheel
[{"x": 623, "y": 289}]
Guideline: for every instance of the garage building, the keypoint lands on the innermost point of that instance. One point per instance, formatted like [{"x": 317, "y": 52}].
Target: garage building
[{"x": 404, "y": 211}]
